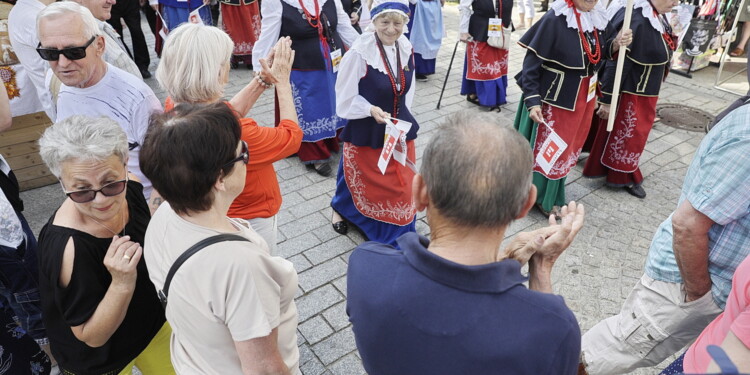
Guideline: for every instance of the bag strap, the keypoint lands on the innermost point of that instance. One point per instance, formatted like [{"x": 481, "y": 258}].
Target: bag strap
[{"x": 190, "y": 252}]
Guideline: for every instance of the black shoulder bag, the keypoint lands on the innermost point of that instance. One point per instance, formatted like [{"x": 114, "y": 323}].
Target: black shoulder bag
[{"x": 190, "y": 252}]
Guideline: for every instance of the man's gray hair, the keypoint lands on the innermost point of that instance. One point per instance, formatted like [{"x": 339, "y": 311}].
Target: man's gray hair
[
  {"x": 477, "y": 171},
  {"x": 83, "y": 138},
  {"x": 60, "y": 8},
  {"x": 191, "y": 74}
]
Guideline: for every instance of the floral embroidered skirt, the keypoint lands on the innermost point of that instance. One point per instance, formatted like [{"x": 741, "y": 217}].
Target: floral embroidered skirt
[
  {"x": 314, "y": 97},
  {"x": 242, "y": 23},
  {"x": 485, "y": 73},
  {"x": 616, "y": 154},
  {"x": 572, "y": 127},
  {"x": 380, "y": 205}
]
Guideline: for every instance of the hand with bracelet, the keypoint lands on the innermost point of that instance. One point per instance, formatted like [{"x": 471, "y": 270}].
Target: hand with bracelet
[{"x": 277, "y": 67}]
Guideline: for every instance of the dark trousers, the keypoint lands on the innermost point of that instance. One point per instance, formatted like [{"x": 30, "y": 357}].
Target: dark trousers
[
  {"x": 19, "y": 283},
  {"x": 130, "y": 11},
  {"x": 150, "y": 17}
]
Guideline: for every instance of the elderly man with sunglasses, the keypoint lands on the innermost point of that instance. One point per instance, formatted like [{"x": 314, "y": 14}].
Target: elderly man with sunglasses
[{"x": 70, "y": 40}]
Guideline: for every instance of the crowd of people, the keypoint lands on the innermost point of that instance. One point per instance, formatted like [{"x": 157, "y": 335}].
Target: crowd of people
[{"x": 162, "y": 255}]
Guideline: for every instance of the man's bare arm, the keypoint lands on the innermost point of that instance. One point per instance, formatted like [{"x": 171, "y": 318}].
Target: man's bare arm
[{"x": 690, "y": 244}]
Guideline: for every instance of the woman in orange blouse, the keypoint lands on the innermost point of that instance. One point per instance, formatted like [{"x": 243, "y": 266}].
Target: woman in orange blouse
[{"x": 186, "y": 73}]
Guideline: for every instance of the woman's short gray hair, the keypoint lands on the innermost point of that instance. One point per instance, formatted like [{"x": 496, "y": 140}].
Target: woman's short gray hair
[
  {"x": 83, "y": 138},
  {"x": 192, "y": 61},
  {"x": 57, "y": 9}
]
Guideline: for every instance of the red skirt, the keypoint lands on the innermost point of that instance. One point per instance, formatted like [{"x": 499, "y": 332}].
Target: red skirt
[
  {"x": 485, "y": 63},
  {"x": 571, "y": 126},
  {"x": 385, "y": 198},
  {"x": 242, "y": 23},
  {"x": 620, "y": 150}
]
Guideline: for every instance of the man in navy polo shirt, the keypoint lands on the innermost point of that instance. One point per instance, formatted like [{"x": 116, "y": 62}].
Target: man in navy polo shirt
[{"x": 456, "y": 305}]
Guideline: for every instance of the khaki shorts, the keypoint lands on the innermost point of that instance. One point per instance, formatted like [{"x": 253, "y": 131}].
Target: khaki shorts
[{"x": 654, "y": 323}]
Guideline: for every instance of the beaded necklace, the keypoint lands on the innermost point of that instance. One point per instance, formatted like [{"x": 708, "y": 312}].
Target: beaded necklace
[
  {"x": 313, "y": 20},
  {"x": 667, "y": 33},
  {"x": 397, "y": 87},
  {"x": 594, "y": 57}
]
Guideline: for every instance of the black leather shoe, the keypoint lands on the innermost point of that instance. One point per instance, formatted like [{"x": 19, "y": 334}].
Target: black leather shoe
[
  {"x": 145, "y": 74},
  {"x": 340, "y": 227},
  {"x": 324, "y": 169},
  {"x": 636, "y": 191}
]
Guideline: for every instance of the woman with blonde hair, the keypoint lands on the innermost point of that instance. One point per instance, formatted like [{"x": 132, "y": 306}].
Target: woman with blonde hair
[{"x": 199, "y": 75}]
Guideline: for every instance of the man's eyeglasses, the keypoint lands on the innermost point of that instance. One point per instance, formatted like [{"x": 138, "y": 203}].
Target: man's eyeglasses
[
  {"x": 71, "y": 53},
  {"x": 109, "y": 190},
  {"x": 244, "y": 156}
]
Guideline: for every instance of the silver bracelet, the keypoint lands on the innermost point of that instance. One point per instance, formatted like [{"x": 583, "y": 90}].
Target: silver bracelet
[{"x": 262, "y": 82}]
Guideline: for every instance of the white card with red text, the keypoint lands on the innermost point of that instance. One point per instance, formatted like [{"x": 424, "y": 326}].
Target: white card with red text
[{"x": 550, "y": 151}]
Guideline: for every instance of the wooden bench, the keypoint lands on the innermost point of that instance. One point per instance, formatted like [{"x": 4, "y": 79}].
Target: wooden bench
[{"x": 20, "y": 148}]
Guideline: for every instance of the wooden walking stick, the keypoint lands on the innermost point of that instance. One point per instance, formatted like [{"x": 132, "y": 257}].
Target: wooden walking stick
[
  {"x": 618, "y": 71},
  {"x": 449, "y": 72}
]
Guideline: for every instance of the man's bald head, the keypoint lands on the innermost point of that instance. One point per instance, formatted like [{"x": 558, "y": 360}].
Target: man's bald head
[{"x": 477, "y": 171}]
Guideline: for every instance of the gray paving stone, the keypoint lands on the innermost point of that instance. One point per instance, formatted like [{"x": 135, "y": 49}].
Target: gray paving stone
[
  {"x": 316, "y": 301},
  {"x": 335, "y": 346},
  {"x": 315, "y": 329},
  {"x": 340, "y": 284},
  {"x": 300, "y": 263},
  {"x": 322, "y": 274},
  {"x": 297, "y": 245},
  {"x": 349, "y": 365},
  {"x": 330, "y": 249},
  {"x": 309, "y": 206},
  {"x": 304, "y": 225},
  {"x": 336, "y": 316},
  {"x": 313, "y": 367}
]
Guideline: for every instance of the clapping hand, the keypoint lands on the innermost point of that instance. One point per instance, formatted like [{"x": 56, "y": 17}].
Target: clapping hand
[
  {"x": 277, "y": 66},
  {"x": 546, "y": 244}
]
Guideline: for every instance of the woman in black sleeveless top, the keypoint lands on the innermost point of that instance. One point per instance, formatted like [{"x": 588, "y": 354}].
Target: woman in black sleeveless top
[{"x": 101, "y": 310}]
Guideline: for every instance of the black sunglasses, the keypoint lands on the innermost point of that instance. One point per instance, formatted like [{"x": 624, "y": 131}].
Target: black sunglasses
[
  {"x": 109, "y": 190},
  {"x": 71, "y": 53},
  {"x": 244, "y": 156}
]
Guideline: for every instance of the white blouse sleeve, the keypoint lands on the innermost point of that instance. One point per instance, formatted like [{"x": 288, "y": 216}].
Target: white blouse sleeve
[
  {"x": 349, "y": 104},
  {"x": 464, "y": 8},
  {"x": 344, "y": 26},
  {"x": 270, "y": 11}
]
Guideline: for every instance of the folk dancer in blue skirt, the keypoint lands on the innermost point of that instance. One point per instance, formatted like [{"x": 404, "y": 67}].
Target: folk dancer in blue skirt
[
  {"x": 425, "y": 32},
  {"x": 375, "y": 84},
  {"x": 485, "y": 67}
]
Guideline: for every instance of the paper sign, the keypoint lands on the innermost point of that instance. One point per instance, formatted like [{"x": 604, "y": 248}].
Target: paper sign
[
  {"x": 550, "y": 151},
  {"x": 592, "y": 88},
  {"x": 394, "y": 144},
  {"x": 163, "y": 32},
  {"x": 195, "y": 17},
  {"x": 336, "y": 59},
  {"x": 495, "y": 28}
]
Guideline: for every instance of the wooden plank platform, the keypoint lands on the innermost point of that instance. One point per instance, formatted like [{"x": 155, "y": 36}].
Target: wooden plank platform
[{"x": 19, "y": 147}]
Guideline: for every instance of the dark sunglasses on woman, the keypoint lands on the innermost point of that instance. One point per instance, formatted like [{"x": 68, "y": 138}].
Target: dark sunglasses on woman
[
  {"x": 244, "y": 156},
  {"x": 71, "y": 53},
  {"x": 87, "y": 195}
]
